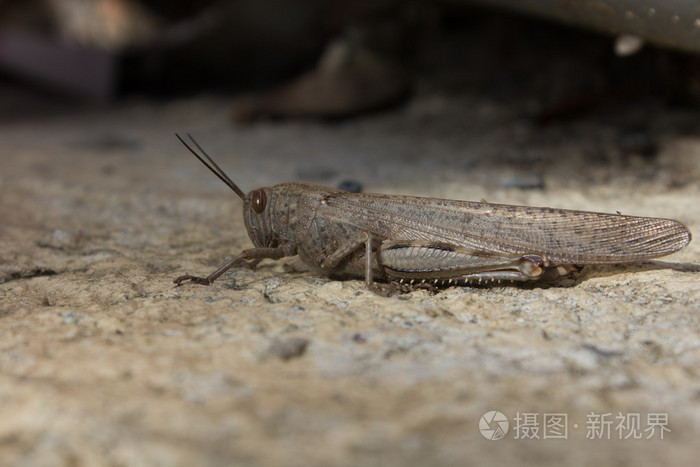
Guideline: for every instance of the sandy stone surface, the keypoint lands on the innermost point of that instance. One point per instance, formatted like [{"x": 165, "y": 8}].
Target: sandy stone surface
[{"x": 104, "y": 362}]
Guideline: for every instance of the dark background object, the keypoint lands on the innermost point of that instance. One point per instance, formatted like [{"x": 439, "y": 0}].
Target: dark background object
[
  {"x": 102, "y": 50},
  {"x": 670, "y": 23},
  {"x": 88, "y": 72}
]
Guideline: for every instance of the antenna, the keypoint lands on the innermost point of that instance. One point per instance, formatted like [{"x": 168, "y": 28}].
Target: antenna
[{"x": 211, "y": 165}]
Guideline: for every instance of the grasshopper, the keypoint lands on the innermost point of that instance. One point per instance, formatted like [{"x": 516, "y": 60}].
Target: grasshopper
[{"x": 404, "y": 239}]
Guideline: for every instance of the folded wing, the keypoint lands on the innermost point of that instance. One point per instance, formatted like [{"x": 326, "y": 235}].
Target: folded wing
[{"x": 564, "y": 236}]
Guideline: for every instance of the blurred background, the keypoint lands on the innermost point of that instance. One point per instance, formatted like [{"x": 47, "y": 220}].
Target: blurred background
[{"x": 550, "y": 59}]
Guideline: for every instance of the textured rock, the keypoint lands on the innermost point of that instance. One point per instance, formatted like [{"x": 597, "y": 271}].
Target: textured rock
[{"x": 104, "y": 361}]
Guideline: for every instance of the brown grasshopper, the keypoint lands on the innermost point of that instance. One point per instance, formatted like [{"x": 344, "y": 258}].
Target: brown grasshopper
[{"x": 405, "y": 238}]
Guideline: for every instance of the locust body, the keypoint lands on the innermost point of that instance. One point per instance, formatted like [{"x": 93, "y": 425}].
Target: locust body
[{"x": 402, "y": 238}]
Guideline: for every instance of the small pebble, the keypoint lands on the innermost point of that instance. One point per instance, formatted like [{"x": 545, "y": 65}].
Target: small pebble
[
  {"x": 288, "y": 348},
  {"x": 351, "y": 186}
]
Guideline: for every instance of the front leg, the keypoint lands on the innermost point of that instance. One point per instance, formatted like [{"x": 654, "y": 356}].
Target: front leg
[{"x": 249, "y": 257}]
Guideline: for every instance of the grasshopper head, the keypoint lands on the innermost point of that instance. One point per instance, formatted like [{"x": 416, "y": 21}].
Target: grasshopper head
[{"x": 256, "y": 215}]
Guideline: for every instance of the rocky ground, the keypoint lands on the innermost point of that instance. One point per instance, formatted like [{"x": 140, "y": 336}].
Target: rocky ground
[{"x": 104, "y": 362}]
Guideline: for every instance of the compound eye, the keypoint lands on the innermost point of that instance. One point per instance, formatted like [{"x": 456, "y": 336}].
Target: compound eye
[{"x": 259, "y": 200}]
